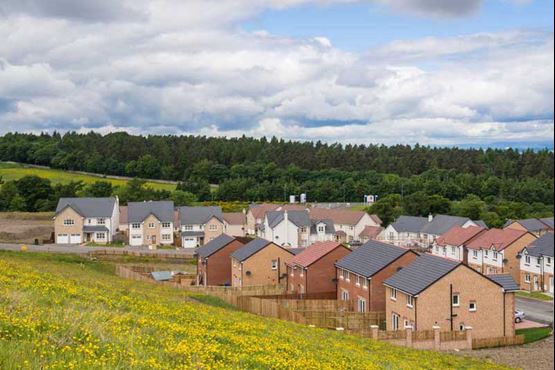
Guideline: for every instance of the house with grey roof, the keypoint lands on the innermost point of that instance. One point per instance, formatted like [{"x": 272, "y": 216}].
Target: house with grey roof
[
  {"x": 437, "y": 292},
  {"x": 200, "y": 225},
  {"x": 150, "y": 223},
  {"x": 294, "y": 229},
  {"x": 84, "y": 220},
  {"x": 410, "y": 231},
  {"x": 536, "y": 226},
  {"x": 536, "y": 265}
]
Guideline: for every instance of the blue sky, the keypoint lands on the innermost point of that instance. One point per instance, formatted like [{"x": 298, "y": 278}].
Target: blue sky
[{"x": 434, "y": 72}]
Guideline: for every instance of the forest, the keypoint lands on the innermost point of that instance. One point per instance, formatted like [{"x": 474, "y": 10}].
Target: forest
[{"x": 492, "y": 184}]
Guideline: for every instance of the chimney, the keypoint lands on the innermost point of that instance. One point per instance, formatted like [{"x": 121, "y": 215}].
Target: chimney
[{"x": 430, "y": 217}]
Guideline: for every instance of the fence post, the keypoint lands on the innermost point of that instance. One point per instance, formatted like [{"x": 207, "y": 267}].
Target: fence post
[
  {"x": 468, "y": 331},
  {"x": 374, "y": 331},
  {"x": 437, "y": 338},
  {"x": 408, "y": 339}
]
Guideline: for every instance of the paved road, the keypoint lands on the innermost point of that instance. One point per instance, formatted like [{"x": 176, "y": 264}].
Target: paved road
[
  {"x": 75, "y": 249},
  {"x": 536, "y": 310}
]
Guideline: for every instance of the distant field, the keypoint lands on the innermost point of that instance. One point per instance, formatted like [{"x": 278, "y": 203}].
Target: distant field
[
  {"x": 15, "y": 171},
  {"x": 21, "y": 227},
  {"x": 66, "y": 312}
]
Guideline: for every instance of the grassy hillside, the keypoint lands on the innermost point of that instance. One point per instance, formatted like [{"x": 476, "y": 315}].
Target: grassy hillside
[
  {"x": 14, "y": 171},
  {"x": 65, "y": 312}
]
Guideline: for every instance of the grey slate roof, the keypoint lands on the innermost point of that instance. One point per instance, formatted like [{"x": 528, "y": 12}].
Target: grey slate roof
[
  {"x": 139, "y": 211},
  {"x": 442, "y": 223},
  {"x": 213, "y": 246},
  {"x": 251, "y": 248},
  {"x": 548, "y": 221},
  {"x": 534, "y": 224},
  {"x": 199, "y": 215},
  {"x": 330, "y": 228},
  {"x": 370, "y": 258},
  {"x": 410, "y": 224},
  {"x": 542, "y": 246},
  {"x": 298, "y": 218},
  {"x": 481, "y": 223},
  {"x": 506, "y": 281},
  {"x": 95, "y": 229},
  {"x": 89, "y": 207},
  {"x": 421, "y": 273},
  {"x": 192, "y": 233},
  {"x": 296, "y": 251}
]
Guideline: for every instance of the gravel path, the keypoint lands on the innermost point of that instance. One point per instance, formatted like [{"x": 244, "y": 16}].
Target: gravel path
[{"x": 534, "y": 356}]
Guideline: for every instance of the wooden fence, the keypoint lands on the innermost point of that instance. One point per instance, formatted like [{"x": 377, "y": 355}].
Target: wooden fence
[
  {"x": 138, "y": 253},
  {"x": 497, "y": 342},
  {"x": 353, "y": 322}
]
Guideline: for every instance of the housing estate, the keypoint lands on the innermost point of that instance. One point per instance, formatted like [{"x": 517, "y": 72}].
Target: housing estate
[
  {"x": 259, "y": 262},
  {"x": 421, "y": 232},
  {"x": 82, "y": 220},
  {"x": 257, "y": 212},
  {"x": 452, "y": 244},
  {"x": 536, "y": 226},
  {"x": 313, "y": 270},
  {"x": 214, "y": 260},
  {"x": 536, "y": 265},
  {"x": 349, "y": 225},
  {"x": 496, "y": 251},
  {"x": 434, "y": 291},
  {"x": 151, "y": 223},
  {"x": 199, "y": 225},
  {"x": 361, "y": 274}
]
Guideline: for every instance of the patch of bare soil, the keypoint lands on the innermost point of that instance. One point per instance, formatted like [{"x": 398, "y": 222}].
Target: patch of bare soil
[
  {"x": 25, "y": 227},
  {"x": 533, "y": 356}
]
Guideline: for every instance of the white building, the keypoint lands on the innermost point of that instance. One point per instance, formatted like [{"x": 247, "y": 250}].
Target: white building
[{"x": 536, "y": 265}]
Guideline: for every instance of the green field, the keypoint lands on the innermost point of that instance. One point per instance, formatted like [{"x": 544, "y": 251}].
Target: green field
[
  {"x": 15, "y": 171},
  {"x": 64, "y": 312},
  {"x": 534, "y": 334},
  {"x": 535, "y": 295}
]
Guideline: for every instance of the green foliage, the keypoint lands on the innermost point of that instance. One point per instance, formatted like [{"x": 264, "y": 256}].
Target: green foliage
[
  {"x": 183, "y": 198},
  {"x": 99, "y": 189},
  {"x": 534, "y": 334}
]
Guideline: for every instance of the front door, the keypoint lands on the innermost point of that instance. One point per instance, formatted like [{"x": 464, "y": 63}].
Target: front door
[
  {"x": 536, "y": 285},
  {"x": 153, "y": 239},
  {"x": 551, "y": 285}
]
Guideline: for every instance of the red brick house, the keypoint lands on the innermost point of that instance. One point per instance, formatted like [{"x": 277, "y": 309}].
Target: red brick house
[
  {"x": 360, "y": 274},
  {"x": 313, "y": 270},
  {"x": 214, "y": 262}
]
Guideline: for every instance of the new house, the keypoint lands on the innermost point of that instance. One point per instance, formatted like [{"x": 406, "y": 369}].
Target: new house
[
  {"x": 214, "y": 260},
  {"x": 235, "y": 223},
  {"x": 200, "y": 225},
  {"x": 452, "y": 244},
  {"x": 361, "y": 274},
  {"x": 536, "y": 226},
  {"x": 496, "y": 251},
  {"x": 536, "y": 265},
  {"x": 348, "y": 224},
  {"x": 313, "y": 270},
  {"x": 83, "y": 220},
  {"x": 150, "y": 223},
  {"x": 293, "y": 229},
  {"x": 257, "y": 213},
  {"x": 259, "y": 262},
  {"x": 421, "y": 232},
  {"x": 434, "y": 291}
]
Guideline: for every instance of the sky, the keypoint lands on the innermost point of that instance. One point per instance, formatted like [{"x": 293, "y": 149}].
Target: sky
[{"x": 436, "y": 72}]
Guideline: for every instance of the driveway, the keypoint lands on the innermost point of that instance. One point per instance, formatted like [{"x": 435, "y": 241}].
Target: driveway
[
  {"x": 77, "y": 249},
  {"x": 535, "y": 310}
]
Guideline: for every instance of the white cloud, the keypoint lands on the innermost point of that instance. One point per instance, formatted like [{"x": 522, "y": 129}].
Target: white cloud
[{"x": 185, "y": 67}]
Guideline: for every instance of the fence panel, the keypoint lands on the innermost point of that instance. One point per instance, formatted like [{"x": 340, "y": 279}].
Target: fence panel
[{"x": 497, "y": 342}]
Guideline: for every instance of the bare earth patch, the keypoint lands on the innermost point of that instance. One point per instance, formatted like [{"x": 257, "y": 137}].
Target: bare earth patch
[
  {"x": 533, "y": 356},
  {"x": 25, "y": 227}
]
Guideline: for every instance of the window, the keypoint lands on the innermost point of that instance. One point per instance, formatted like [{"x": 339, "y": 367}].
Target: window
[
  {"x": 69, "y": 222},
  {"x": 393, "y": 294},
  {"x": 302, "y": 271},
  {"x": 548, "y": 261},
  {"x": 166, "y": 225},
  {"x": 456, "y": 300},
  {"x": 166, "y": 237},
  {"x": 101, "y": 221},
  {"x": 341, "y": 272},
  {"x": 495, "y": 255},
  {"x": 151, "y": 225},
  {"x": 321, "y": 229},
  {"x": 344, "y": 295},
  {"x": 365, "y": 283},
  {"x": 486, "y": 254},
  {"x": 395, "y": 322},
  {"x": 527, "y": 259},
  {"x": 135, "y": 226},
  {"x": 527, "y": 278},
  {"x": 274, "y": 264},
  {"x": 462, "y": 327},
  {"x": 136, "y": 237},
  {"x": 539, "y": 261},
  {"x": 453, "y": 251},
  {"x": 188, "y": 227},
  {"x": 361, "y": 304},
  {"x": 475, "y": 254},
  {"x": 391, "y": 235},
  {"x": 213, "y": 227},
  {"x": 410, "y": 301},
  {"x": 472, "y": 307},
  {"x": 346, "y": 275},
  {"x": 303, "y": 229},
  {"x": 358, "y": 280},
  {"x": 301, "y": 289},
  {"x": 101, "y": 236},
  {"x": 291, "y": 271}
]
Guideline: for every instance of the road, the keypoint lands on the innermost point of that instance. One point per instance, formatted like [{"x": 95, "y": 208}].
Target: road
[
  {"x": 536, "y": 310},
  {"x": 76, "y": 249}
]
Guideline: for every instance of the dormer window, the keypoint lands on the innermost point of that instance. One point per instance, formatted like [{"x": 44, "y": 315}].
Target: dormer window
[{"x": 321, "y": 229}]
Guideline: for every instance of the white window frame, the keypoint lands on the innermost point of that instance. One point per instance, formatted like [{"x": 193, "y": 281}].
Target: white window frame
[
  {"x": 357, "y": 280},
  {"x": 166, "y": 225},
  {"x": 395, "y": 321},
  {"x": 456, "y": 297},
  {"x": 275, "y": 265},
  {"x": 345, "y": 295},
  {"x": 410, "y": 301},
  {"x": 166, "y": 237},
  {"x": 213, "y": 227},
  {"x": 527, "y": 278},
  {"x": 101, "y": 221},
  {"x": 136, "y": 226},
  {"x": 69, "y": 222},
  {"x": 151, "y": 225},
  {"x": 471, "y": 308},
  {"x": 365, "y": 283},
  {"x": 393, "y": 294},
  {"x": 361, "y": 305},
  {"x": 527, "y": 260},
  {"x": 347, "y": 275}
]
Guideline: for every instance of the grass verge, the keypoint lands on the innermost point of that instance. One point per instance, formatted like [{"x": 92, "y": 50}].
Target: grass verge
[
  {"x": 535, "y": 295},
  {"x": 534, "y": 334}
]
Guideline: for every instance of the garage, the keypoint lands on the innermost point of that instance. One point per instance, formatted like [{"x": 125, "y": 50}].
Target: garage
[
  {"x": 62, "y": 239},
  {"x": 75, "y": 239},
  {"x": 189, "y": 242}
]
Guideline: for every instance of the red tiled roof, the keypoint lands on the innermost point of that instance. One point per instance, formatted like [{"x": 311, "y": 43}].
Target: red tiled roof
[
  {"x": 235, "y": 218},
  {"x": 260, "y": 210},
  {"x": 458, "y": 235},
  {"x": 371, "y": 232},
  {"x": 338, "y": 216},
  {"x": 314, "y": 253},
  {"x": 499, "y": 238}
]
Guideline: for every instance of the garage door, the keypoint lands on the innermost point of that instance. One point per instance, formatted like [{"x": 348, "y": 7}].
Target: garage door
[
  {"x": 62, "y": 239},
  {"x": 189, "y": 242},
  {"x": 75, "y": 239}
]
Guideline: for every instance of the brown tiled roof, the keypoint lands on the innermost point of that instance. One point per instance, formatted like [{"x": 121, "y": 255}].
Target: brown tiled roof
[
  {"x": 123, "y": 215},
  {"x": 338, "y": 216},
  {"x": 376, "y": 219},
  {"x": 314, "y": 253},
  {"x": 499, "y": 238},
  {"x": 235, "y": 218},
  {"x": 260, "y": 210},
  {"x": 458, "y": 235},
  {"x": 371, "y": 232}
]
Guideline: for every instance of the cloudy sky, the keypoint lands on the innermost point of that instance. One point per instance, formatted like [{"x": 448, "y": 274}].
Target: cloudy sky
[{"x": 438, "y": 72}]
